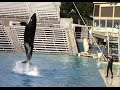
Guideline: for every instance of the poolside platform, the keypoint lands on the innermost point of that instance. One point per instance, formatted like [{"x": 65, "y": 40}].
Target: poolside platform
[
  {"x": 114, "y": 63},
  {"x": 88, "y": 55},
  {"x": 111, "y": 82},
  {"x": 84, "y": 54}
]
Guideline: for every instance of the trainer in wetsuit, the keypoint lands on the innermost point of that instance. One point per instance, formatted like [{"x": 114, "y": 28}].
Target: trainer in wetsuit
[{"x": 110, "y": 63}]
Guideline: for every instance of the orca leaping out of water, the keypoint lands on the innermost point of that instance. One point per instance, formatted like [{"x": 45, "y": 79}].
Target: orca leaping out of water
[{"x": 29, "y": 35}]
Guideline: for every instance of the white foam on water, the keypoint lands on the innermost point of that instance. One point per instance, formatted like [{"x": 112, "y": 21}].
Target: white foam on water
[{"x": 25, "y": 68}]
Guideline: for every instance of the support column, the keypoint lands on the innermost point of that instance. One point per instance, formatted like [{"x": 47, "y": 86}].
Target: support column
[
  {"x": 108, "y": 43},
  {"x": 119, "y": 45}
]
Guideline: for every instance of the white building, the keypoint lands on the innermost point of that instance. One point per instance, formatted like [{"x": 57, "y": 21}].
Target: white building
[
  {"x": 106, "y": 25},
  {"x": 50, "y": 36}
]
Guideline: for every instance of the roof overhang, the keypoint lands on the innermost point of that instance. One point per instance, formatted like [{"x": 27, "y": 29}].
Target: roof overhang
[{"x": 100, "y": 2}]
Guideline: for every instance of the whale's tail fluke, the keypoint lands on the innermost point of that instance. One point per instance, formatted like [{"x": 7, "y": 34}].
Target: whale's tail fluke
[{"x": 26, "y": 61}]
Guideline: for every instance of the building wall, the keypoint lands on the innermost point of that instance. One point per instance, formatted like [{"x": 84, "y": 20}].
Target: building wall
[{"x": 106, "y": 17}]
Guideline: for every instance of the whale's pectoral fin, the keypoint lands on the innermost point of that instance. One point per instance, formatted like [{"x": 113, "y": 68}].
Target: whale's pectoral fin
[
  {"x": 27, "y": 62},
  {"x": 24, "y": 61},
  {"x": 30, "y": 63}
]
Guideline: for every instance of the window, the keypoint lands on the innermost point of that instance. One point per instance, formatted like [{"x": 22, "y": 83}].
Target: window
[
  {"x": 116, "y": 24},
  {"x": 78, "y": 32},
  {"x": 96, "y": 10},
  {"x": 117, "y": 11},
  {"x": 77, "y": 29},
  {"x": 106, "y": 11},
  {"x": 102, "y": 23},
  {"x": 96, "y": 23},
  {"x": 109, "y": 23}
]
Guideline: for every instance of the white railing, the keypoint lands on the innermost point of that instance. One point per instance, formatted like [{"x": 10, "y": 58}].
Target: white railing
[{"x": 5, "y": 41}]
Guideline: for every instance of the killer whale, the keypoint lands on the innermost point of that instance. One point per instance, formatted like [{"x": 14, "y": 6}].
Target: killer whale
[{"x": 29, "y": 35}]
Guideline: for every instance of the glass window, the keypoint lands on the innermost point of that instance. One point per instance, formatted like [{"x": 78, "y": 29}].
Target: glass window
[
  {"x": 96, "y": 23},
  {"x": 106, "y": 11},
  {"x": 109, "y": 23},
  {"x": 96, "y": 10},
  {"x": 116, "y": 24},
  {"x": 117, "y": 11},
  {"x": 102, "y": 23}
]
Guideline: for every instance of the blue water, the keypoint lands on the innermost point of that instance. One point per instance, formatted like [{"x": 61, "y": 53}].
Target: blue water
[
  {"x": 80, "y": 46},
  {"x": 55, "y": 71}
]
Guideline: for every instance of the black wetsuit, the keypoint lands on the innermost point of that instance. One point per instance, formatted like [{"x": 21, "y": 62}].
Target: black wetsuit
[{"x": 110, "y": 63}]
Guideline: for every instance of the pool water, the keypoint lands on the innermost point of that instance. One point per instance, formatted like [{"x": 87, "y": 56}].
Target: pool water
[{"x": 54, "y": 70}]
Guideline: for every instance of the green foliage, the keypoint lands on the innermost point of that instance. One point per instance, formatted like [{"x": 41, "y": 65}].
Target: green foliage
[{"x": 67, "y": 10}]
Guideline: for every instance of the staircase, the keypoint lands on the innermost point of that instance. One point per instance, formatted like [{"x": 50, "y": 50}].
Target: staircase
[
  {"x": 113, "y": 46},
  {"x": 50, "y": 36},
  {"x": 47, "y": 39},
  {"x": 6, "y": 43},
  {"x": 13, "y": 36},
  {"x": 18, "y": 36}
]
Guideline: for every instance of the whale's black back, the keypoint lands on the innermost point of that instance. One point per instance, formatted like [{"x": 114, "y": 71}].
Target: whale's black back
[{"x": 29, "y": 35}]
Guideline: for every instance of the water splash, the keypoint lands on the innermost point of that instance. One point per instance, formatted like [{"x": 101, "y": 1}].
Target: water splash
[
  {"x": 98, "y": 64},
  {"x": 27, "y": 69}
]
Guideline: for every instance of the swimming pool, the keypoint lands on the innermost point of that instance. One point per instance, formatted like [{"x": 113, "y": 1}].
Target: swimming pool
[{"x": 55, "y": 71}]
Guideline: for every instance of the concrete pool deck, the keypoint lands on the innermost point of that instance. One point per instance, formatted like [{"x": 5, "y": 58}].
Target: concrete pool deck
[{"x": 111, "y": 82}]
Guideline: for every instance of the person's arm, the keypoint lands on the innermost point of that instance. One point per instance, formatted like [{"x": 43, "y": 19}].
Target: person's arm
[
  {"x": 111, "y": 59},
  {"x": 108, "y": 59}
]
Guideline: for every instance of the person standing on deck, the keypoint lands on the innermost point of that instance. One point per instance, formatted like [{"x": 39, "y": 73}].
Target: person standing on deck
[{"x": 110, "y": 63}]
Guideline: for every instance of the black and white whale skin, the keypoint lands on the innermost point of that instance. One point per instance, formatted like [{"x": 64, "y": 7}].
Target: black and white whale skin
[{"x": 29, "y": 35}]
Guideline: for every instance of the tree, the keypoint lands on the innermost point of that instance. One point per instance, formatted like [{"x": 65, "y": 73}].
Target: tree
[{"x": 67, "y": 10}]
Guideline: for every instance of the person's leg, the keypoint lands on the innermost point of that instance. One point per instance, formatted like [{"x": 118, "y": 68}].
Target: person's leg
[
  {"x": 107, "y": 70},
  {"x": 111, "y": 71}
]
